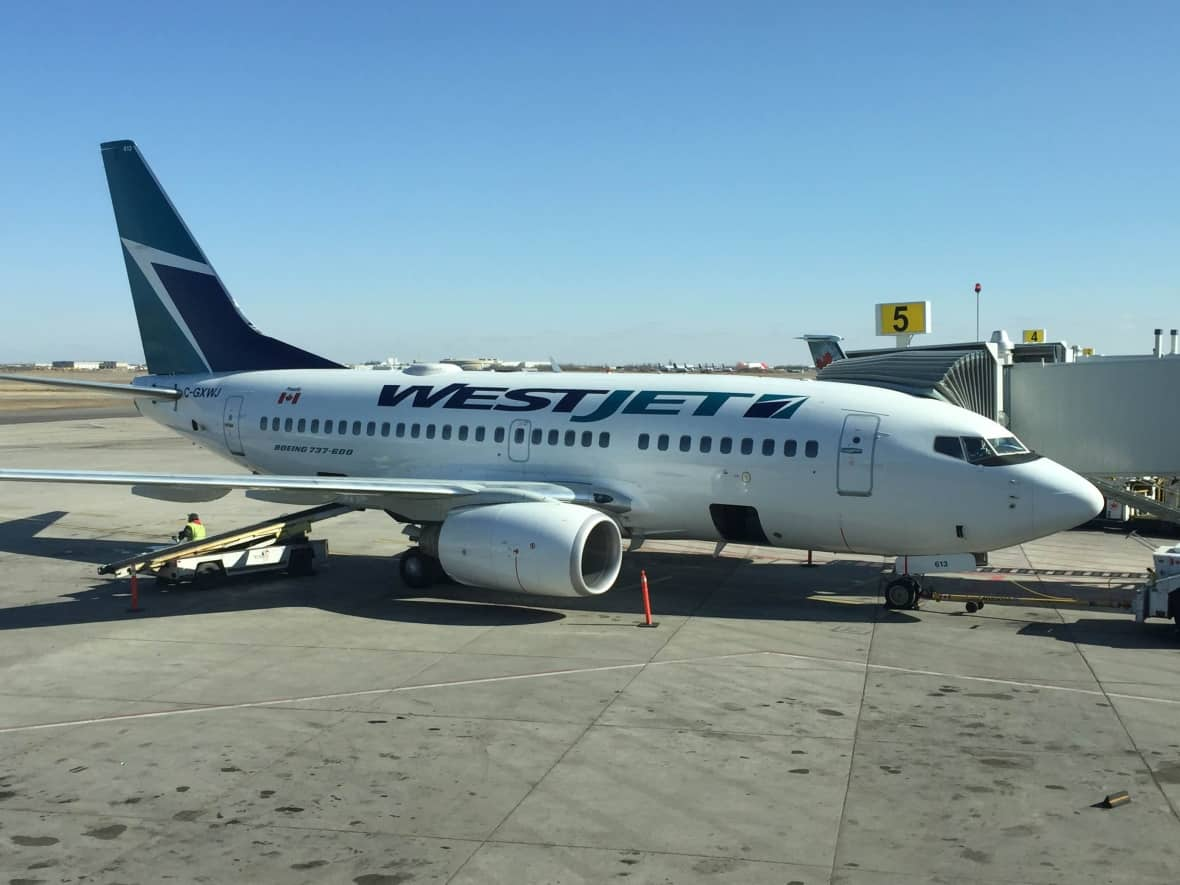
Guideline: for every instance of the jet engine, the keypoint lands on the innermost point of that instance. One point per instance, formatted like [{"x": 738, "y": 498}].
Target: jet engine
[{"x": 543, "y": 548}]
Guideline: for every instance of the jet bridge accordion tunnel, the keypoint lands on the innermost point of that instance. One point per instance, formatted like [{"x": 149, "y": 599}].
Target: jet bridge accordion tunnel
[{"x": 964, "y": 377}]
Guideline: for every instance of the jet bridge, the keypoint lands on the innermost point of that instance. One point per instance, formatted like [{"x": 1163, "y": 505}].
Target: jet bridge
[
  {"x": 962, "y": 375},
  {"x": 267, "y": 532}
]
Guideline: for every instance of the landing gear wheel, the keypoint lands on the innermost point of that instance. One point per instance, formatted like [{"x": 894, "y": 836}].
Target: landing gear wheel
[
  {"x": 417, "y": 569},
  {"x": 903, "y": 593},
  {"x": 208, "y": 575},
  {"x": 301, "y": 562}
]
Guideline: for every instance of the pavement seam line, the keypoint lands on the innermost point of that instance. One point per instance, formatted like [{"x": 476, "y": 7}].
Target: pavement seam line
[
  {"x": 864, "y": 690},
  {"x": 640, "y": 667}
]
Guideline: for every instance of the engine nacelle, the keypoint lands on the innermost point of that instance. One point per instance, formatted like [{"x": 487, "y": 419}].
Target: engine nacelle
[{"x": 543, "y": 548}]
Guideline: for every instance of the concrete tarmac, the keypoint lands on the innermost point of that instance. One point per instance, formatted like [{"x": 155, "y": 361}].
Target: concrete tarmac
[{"x": 778, "y": 726}]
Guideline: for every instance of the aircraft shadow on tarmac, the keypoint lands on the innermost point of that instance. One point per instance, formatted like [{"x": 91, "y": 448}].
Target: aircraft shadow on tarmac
[
  {"x": 21, "y": 536},
  {"x": 1112, "y": 633},
  {"x": 364, "y": 586}
]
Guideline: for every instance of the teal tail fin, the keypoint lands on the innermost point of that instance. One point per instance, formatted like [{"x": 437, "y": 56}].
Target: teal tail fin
[{"x": 188, "y": 322}]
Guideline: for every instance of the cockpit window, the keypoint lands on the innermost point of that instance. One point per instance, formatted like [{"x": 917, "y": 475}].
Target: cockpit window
[
  {"x": 949, "y": 445},
  {"x": 993, "y": 452},
  {"x": 976, "y": 448},
  {"x": 1007, "y": 445}
]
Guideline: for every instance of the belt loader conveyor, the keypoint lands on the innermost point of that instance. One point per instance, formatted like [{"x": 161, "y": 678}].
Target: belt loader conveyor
[{"x": 238, "y": 549}]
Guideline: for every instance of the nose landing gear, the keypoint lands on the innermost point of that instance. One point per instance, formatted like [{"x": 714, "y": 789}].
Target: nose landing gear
[{"x": 903, "y": 593}]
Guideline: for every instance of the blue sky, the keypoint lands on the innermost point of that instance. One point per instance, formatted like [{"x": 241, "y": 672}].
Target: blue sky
[{"x": 601, "y": 181}]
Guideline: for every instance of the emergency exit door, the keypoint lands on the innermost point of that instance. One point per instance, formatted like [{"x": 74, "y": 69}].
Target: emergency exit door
[
  {"x": 858, "y": 443},
  {"x": 518, "y": 440},
  {"x": 233, "y": 430}
]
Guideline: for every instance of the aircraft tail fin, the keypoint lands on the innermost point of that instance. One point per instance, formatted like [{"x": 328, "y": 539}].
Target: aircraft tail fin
[
  {"x": 825, "y": 349},
  {"x": 188, "y": 322}
]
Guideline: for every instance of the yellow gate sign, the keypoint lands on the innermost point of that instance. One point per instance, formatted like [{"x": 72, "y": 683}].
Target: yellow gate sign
[
  {"x": 903, "y": 318},
  {"x": 1034, "y": 336}
]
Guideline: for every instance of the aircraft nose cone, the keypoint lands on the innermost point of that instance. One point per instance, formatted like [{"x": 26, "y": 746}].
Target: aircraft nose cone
[{"x": 1065, "y": 501}]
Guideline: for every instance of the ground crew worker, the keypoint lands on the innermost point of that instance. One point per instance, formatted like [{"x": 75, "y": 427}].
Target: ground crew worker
[{"x": 193, "y": 530}]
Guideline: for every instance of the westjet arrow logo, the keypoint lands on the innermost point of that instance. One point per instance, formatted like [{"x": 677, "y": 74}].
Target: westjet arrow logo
[{"x": 585, "y": 405}]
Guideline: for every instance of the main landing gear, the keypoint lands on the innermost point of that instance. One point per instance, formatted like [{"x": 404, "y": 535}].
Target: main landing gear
[
  {"x": 420, "y": 571},
  {"x": 903, "y": 593}
]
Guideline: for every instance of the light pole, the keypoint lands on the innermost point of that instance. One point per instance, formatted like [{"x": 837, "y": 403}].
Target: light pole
[{"x": 978, "y": 289}]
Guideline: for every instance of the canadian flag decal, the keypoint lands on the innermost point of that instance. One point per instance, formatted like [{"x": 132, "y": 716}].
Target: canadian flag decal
[{"x": 287, "y": 397}]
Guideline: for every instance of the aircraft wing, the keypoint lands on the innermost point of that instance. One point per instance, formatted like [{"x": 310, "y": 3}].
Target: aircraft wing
[{"x": 418, "y": 499}]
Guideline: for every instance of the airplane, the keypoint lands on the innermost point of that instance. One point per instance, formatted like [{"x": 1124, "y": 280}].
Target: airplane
[
  {"x": 531, "y": 484},
  {"x": 825, "y": 349}
]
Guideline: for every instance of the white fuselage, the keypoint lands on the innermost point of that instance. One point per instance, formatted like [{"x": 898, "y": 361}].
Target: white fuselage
[{"x": 825, "y": 466}]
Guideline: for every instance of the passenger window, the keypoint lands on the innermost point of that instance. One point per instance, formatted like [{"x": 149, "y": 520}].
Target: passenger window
[
  {"x": 537, "y": 434},
  {"x": 274, "y": 424},
  {"x": 570, "y": 437},
  {"x": 400, "y": 431},
  {"x": 328, "y": 426},
  {"x": 371, "y": 429},
  {"x": 706, "y": 443},
  {"x": 479, "y": 434},
  {"x": 726, "y": 445},
  {"x": 644, "y": 441},
  {"x": 949, "y": 445},
  {"x": 287, "y": 425},
  {"x": 554, "y": 437},
  {"x": 603, "y": 440},
  {"x": 499, "y": 435},
  {"x": 587, "y": 439},
  {"x": 415, "y": 431},
  {"x": 790, "y": 447},
  {"x": 446, "y": 431},
  {"x": 262, "y": 425},
  {"x": 430, "y": 431},
  {"x": 315, "y": 425},
  {"x": 811, "y": 449},
  {"x": 662, "y": 442},
  {"x": 462, "y": 432},
  {"x": 518, "y": 435},
  {"x": 768, "y": 447},
  {"x": 356, "y": 428},
  {"x": 385, "y": 428},
  {"x": 747, "y": 445},
  {"x": 686, "y": 443},
  {"x": 302, "y": 425}
]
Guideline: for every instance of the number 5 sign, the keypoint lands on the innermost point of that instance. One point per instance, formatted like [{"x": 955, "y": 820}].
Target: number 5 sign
[{"x": 904, "y": 318}]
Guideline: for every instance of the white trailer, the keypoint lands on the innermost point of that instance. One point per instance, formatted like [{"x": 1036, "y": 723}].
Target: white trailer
[
  {"x": 211, "y": 568},
  {"x": 1160, "y": 596}
]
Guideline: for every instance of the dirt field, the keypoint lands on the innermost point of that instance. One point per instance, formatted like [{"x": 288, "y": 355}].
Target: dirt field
[{"x": 24, "y": 398}]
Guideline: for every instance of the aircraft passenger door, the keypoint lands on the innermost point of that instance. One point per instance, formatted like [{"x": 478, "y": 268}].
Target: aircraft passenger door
[
  {"x": 858, "y": 442},
  {"x": 518, "y": 440},
  {"x": 233, "y": 430}
]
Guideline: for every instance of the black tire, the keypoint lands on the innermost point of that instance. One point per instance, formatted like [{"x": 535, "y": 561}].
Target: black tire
[
  {"x": 417, "y": 570},
  {"x": 209, "y": 574},
  {"x": 301, "y": 563},
  {"x": 898, "y": 594}
]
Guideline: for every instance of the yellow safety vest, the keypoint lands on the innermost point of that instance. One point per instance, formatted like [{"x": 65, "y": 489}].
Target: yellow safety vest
[{"x": 196, "y": 530}]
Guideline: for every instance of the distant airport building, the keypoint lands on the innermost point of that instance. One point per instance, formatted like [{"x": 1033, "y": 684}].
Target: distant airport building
[{"x": 84, "y": 365}]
